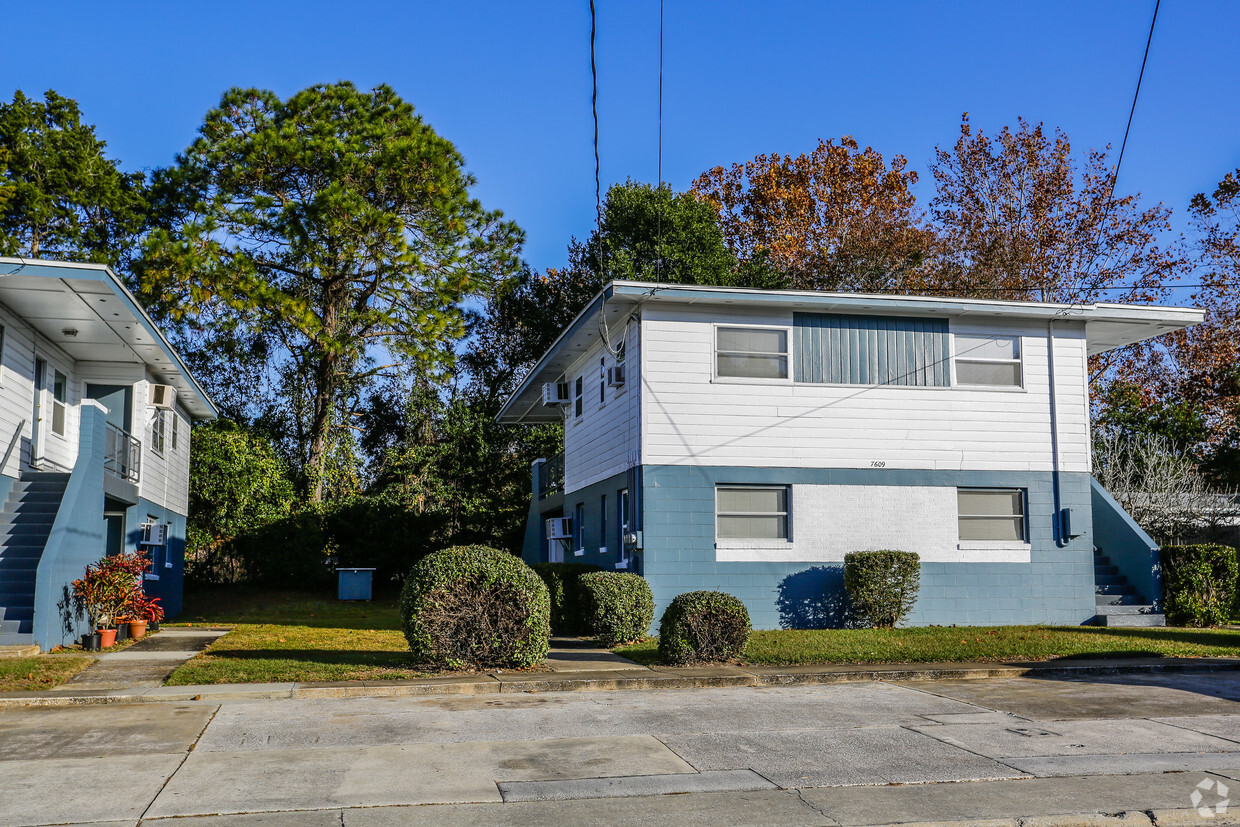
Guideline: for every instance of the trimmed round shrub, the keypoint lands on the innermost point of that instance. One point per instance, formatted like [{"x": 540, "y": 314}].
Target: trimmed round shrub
[
  {"x": 569, "y": 602},
  {"x": 1199, "y": 584},
  {"x": 473, "y": 606},
  {"x": 621, "y": 606},
  {"x": 703, "y": 627},
  {"x": 882, "y": 584}
]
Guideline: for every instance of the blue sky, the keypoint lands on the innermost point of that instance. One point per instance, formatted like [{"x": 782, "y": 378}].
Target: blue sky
[{"x": 509, "y": 82}]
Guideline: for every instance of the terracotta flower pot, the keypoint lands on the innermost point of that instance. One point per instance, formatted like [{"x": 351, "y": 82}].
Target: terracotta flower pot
[
  {"x": 107, "y": 637},
  {"x": 137, "y": 629}
]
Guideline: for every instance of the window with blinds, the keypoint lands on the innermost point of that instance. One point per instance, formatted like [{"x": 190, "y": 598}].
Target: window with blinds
[
  {"x": 751, "y": 352},
  {"x": 991, "y": 514},
  {"x": 992, "y": 361},
  {"x": 751, "y": 512}
]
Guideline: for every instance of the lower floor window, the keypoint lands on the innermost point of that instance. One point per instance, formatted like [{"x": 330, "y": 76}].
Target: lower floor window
[
  {"x": 751, "y": 512},
  {"x": 991, "y": 514}
]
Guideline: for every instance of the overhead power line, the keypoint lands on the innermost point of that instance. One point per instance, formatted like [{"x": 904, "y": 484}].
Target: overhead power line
[
  {"x": 598, "y": 197},
  {"x": 1136, "y": 94}
]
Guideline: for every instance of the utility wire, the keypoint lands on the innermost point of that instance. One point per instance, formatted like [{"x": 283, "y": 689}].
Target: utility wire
[
  {"x": 598, "y": 198},
  {"x": 658, "y": 250},
  {"x": 1124, "y": 144}
]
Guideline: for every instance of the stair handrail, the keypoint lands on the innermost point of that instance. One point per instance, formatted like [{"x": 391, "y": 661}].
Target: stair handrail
[{"x": 17, "y": 433}]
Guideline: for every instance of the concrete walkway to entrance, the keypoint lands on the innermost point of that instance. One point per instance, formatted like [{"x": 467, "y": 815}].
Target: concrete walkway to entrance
[
  {"x": 570, "y": 654},
  {"x": 143, "y": 664}
]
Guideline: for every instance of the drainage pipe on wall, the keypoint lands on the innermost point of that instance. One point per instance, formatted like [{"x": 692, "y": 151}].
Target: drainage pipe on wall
[{"x": 1057, "y": 517}]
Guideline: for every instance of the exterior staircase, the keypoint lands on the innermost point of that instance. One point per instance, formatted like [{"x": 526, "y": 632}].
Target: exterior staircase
[
  {"x": 25, "y": 523},
  {"x": 1117, "y": 602}
]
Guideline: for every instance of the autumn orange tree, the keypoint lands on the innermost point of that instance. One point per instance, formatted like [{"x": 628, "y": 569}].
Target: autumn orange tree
[
  {"x": 1196, "y": 370},
  {"x": 840, "y": 218},
  {"x": 1021, "y": 217}
]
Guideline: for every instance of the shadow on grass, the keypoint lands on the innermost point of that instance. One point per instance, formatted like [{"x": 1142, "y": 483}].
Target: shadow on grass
[
  {"x": 326, "y": 657},
  {"x": 230, "y": 605}
]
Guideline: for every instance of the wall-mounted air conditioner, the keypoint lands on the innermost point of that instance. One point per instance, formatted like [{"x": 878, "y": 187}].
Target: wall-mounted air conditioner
[
  {"x": 163, "y": 397},
  {"x": 555, "y": 393},
  {"x": 615, "y": 376},
  {"x": 560, "y": 528},
  {"x": 154, "y": 534}
]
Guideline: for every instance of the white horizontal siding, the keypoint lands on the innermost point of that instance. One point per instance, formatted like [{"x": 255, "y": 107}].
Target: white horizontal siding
[
  {"x": 603, "y": 442},
  {"x": 690, "y": 419},
  {"x": 165, "y": 477},
  {"x": 17, "y": 398}
]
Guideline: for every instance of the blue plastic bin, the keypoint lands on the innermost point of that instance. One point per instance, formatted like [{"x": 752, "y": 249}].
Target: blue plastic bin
[{"x": 355, "y": 584}]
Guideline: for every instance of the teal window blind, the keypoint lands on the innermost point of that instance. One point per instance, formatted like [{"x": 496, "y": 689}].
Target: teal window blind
[{"x": 844, "y": 349}]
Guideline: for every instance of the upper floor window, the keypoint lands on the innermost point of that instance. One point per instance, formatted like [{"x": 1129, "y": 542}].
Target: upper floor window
[
  {"x": 602, "y": 381},
  {"x": 988, "y": 361},
  {"x": 176, "y": 421},
  {"x": 578, "y": 392},
  {"x": 1, "y": 353},
  {"x": 991, "y": 514},
  {"x": 751, "y": 512},
  {"x": 60, "y": 388},
  {"x": 158, "y": 429},
  {"x": 751, "y": 352}
]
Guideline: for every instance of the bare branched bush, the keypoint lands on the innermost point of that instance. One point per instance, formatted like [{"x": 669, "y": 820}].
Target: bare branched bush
[{"x": 1161, "y": 488}]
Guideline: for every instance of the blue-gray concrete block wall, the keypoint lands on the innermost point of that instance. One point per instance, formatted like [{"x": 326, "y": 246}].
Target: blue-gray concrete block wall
[
  {"x": 76, "y": 539},
  {"x": 591, "y": 500},
  {"x": 1057, "y": 586},
  {"x": 168, "y": 563},
  {"x": 1128, "y": 546}
]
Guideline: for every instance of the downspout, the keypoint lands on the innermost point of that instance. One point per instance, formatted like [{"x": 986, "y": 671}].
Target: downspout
[{"x": 1057, "y": 517}]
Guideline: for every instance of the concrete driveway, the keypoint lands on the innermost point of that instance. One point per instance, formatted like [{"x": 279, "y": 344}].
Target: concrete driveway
[{"x": 868, "y": 753}]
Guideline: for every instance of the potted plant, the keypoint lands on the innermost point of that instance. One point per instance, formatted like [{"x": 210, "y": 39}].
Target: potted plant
[
  {"x": 107, "y": 589},
  {"x": 141, "y": 611}
]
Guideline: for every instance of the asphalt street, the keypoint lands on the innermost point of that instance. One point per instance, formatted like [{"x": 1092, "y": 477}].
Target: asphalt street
[{"x": 850, "y": 754}]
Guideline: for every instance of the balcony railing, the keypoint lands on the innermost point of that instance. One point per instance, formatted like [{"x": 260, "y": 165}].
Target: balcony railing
[
  {"x": 551, "y": 477},
  {"x": 122, "y": 454}
]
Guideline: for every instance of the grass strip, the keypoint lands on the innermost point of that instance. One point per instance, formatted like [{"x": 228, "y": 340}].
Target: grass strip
[
  {"x": 984, "y": 644},
  {"x": 39, "y": 672}
]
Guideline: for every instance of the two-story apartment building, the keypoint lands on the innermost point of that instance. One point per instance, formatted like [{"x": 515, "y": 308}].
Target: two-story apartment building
[
  {"x": 95, "y": 413},
  {"x": 746, "y": 440}
]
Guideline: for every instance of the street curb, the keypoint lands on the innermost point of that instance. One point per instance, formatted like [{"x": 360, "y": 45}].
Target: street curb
[{"x": 620, "y": 680}]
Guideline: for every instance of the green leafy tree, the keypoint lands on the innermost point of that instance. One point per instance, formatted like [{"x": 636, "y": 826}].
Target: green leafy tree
[
  {"x": 237, "y": 485},
  {"x": 338, "y": 226},
  {"x": 60, "y": 196},
  {"x": 650, "y": 233}
]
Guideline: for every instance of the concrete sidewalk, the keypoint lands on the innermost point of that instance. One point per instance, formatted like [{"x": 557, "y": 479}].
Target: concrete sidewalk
[
  {"x": 1032, "y": 751},
  {"x": 586, "y": 670}
]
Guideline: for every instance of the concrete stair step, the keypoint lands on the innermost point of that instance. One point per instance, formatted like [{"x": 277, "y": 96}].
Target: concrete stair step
[
  {"x": 44, "y": 476},
  {"x": 18, "y": 650},
  {"x": 1114, "y": 588},
  {"x": 1110, "y": 580},
  {"x": 1117, "y": 600},
  {"x": 1104, "y": 570},
  {"x": 9, "y": 628},
  {"x": 16, "y": 639},
  {"x": 1135, "y": 621},
  {"x": 17, "y": 613}
]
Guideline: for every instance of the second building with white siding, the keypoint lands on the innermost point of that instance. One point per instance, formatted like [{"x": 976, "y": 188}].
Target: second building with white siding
[{"x": 746, "y": 440}]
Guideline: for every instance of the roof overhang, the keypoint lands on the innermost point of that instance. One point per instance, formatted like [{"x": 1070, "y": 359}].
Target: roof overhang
[
  {"x": 1107, "y": 326},
  {"x": 86, "y": 311}
]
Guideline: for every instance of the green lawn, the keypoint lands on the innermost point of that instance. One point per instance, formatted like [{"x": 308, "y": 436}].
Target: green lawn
[
  {"x": 39, "y": 672},
  {"x": 993, "y": 644},
  {"x": 294, "y": 636}
]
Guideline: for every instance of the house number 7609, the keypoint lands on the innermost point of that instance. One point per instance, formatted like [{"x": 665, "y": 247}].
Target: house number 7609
[{"x": 878, "y": 463}]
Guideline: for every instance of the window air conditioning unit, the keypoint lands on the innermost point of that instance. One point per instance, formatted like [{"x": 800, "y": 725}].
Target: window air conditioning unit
[
  {"x": 560, "y": 528},
  {"x": 163, "y": 397},
  {"x": 555, "y": 393},
  {"x": 615, "y": 376},
  {"x": 154, "y": 534}
]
